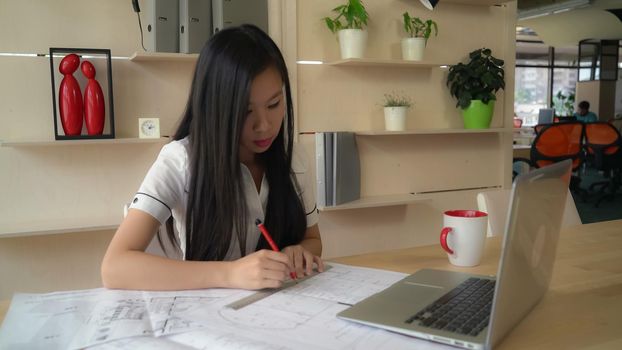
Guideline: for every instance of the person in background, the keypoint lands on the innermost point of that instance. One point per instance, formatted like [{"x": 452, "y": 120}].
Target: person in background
[{"x": 584, "y": 115}]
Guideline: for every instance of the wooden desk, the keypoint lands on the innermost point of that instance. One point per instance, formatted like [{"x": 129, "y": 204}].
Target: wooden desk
[
  {"x": 521, "y": 151},
  {"x": 583, "y": 308}
]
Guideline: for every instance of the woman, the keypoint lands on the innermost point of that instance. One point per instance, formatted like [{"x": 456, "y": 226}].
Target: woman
[{"x": 230, "y": 163}]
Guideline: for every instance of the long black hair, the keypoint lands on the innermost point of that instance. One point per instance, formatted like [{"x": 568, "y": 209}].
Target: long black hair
[{"x": 213, "y": 120}]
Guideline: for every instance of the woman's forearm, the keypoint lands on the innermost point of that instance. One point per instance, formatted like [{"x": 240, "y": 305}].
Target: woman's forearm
[
  {"x": 139, "y": 270},
  {"x": 312, "y": 240}
]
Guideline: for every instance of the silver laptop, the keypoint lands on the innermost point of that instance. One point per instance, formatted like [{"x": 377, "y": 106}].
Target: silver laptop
[
  {"x": 473, "y": 311},
  {"x": 546, "y": 115}
]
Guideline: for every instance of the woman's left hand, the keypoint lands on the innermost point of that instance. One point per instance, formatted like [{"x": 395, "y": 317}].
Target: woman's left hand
[{"x": 301, "y": 260}]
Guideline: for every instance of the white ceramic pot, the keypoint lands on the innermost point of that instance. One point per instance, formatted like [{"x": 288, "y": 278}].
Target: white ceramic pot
[
  {"x": 412, "y": 49},
  {"x": 352, "y": 43},
  {"x": 395, "y": 118}
]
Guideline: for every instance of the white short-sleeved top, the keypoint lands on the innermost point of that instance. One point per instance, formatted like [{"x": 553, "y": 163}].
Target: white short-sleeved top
[{"x": 164, "y": 192}]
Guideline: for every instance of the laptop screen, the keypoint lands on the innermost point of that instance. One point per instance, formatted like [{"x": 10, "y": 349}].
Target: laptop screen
[
  {"x": 545, "y": 115},
  {"x": 530, "y": 245}
]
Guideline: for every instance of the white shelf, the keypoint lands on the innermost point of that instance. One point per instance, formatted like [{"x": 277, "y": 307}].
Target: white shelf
[
  {"x": 433, "y": 132},
  {"x": 57, "y": 226},
  {"x": 163, "y": 56},
  {"x": 378, "y": 201},
  {"x": 366, "y": 62},
  {"x": 28, "y": 143}
]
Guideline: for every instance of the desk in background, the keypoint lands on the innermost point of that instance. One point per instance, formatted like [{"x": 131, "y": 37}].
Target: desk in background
[
  {"x": 523, "y": 138},
  {"x": 583, "y": 308},
  {"x": 521, "y": 151},
  {"x": 525, "y": 132}
]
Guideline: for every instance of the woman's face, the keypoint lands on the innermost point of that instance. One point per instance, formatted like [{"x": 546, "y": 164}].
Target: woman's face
[{"x": 266, "y": 109}]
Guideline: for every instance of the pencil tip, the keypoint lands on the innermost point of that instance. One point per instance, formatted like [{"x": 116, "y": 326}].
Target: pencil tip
[{"x": 257, "y": 221}]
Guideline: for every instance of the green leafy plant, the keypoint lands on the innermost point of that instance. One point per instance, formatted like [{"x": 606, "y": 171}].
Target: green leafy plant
[
  {"x": 479, "y": 79},
  {"x": 417, "y": 28},
  {"x": 564, "y": 104},
  {"x": 396, "y": 100},
  {"x": 353, "y": 13}
]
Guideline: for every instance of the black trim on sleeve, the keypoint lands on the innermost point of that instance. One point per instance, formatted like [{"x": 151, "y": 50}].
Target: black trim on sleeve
[
  {"x": 312, "y": 210},
  {"x": 150, "y": 196}
]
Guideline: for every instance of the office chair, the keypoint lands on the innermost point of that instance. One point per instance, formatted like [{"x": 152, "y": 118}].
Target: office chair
[
  {"x": 603, "y": 145},
  {"x": 557, "y": 142},
  {"x": 564, "y": 119},
  {"x": 539, "y": 127}
]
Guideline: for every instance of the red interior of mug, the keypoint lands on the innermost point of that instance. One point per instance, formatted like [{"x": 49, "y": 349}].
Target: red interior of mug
[{"x": 466, "y": 213}]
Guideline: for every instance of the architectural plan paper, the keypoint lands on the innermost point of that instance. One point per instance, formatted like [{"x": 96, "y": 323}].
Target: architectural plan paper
[
  {"x": 77, "y": 319},
  {"x": 299, "y": 317}
]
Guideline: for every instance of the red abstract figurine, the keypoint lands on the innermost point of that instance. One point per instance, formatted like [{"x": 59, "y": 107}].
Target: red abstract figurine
[
  {"x": 70, "y": 96},
  {"x": 94, "y": 109}
]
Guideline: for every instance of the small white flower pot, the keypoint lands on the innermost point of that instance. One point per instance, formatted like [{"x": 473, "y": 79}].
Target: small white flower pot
[
  {"x": 395, "y": 118},
  {"x": 352, "y": 43},
  {"x": 412, "y": 49}
]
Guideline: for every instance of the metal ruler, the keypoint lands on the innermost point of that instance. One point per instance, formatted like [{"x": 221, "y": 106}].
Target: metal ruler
[{"x": 264, "y": 293}]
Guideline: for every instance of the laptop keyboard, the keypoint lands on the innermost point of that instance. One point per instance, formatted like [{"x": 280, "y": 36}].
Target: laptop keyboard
[{"x": 465, "y": 309}]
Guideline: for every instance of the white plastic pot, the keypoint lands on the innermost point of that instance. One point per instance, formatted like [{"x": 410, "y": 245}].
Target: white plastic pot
[
  {"x": 413, "y": 48},
  {"x": 395, "y": 118},
  {"x": 352, "y": 43}
]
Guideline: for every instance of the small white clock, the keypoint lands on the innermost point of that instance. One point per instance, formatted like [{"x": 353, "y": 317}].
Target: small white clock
[{"x": 148, "y": 128}]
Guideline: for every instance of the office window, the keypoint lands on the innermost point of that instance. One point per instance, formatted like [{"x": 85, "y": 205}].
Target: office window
[
  {"x": 541, "y": 72},
  {"x": 566, "y": 56},
  {"x": 530, "y": 93},
  {"x": 532, "y": 54},
  {"x": 598, "y": 60},
  {"x": 564, "y": 82}
]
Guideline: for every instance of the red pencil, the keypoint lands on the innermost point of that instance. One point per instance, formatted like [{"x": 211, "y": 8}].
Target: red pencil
[{"x": 268, "y": 238}]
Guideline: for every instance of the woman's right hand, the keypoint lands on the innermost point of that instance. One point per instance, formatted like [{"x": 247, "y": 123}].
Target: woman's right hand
[{"x": 261, "y": 269}]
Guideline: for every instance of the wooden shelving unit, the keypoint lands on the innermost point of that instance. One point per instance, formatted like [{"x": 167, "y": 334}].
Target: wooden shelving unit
[
  {"x": 163, "y": 57},
  {"x": 38, "y": 143},
  {"x": 422, "y": 132},
  {"x": 384, "y": 63},
  {"x": 408, "y": 198},
  {"x": 433, "y": 132},
  {"x": 378, "y": 201}
]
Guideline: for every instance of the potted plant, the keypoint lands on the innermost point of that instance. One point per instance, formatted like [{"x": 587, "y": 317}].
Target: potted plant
[
  {"x": 564, "y": 104},
  {"x": 419, "y": 32},
  {"x": 395, "y": 111},
  {"x": 351, "y": 32},
  {"x": 474, "y": 86}
]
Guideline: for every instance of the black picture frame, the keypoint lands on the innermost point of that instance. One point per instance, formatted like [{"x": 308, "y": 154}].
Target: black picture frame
[{"x": 101, "y": 60}]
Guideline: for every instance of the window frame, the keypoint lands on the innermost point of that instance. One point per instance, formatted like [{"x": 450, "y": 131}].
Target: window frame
[{"x": 550, "y": 66}]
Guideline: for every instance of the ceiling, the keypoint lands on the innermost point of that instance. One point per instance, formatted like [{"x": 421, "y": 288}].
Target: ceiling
[{"x": 593, "y": 21}]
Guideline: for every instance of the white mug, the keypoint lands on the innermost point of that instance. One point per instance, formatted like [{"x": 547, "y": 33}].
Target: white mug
[{"x": 463, "y": 236}]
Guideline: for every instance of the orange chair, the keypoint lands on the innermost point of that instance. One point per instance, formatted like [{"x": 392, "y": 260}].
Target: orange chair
[
  {"x": 603, "y": 145},
  {"x": 564, "y": 119},
  {"x": 539, "y": 127},
  {"x": 557, "y": 142}
]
